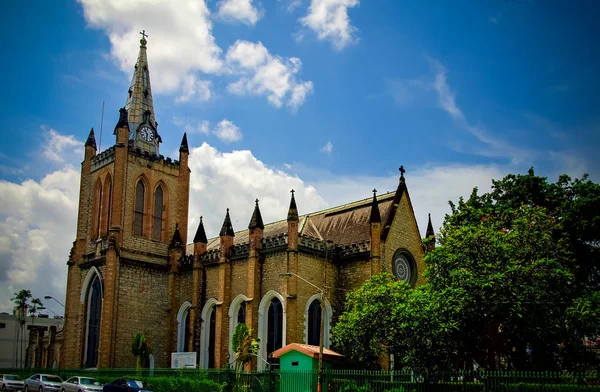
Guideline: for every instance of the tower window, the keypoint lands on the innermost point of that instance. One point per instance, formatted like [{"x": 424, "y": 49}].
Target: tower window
[
  {"x": 158, "y": 214},
  {"x": 138, "y": 223}
]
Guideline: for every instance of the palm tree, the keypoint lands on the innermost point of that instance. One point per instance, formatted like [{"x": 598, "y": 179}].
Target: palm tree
[
  {"x": 21, "y": 300},
  {"x": 141, "y": 350}
]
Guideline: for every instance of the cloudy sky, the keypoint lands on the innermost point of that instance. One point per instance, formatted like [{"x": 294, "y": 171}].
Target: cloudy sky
[{"x": 327, "y": 97}]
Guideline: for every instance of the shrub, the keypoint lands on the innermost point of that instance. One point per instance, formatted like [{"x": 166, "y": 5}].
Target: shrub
[{"x": 529, "y": 387}]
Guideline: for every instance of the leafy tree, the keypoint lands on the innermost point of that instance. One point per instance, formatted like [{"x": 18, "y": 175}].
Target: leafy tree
[
  {"x": 244, "y": 345},
  {"x": 141, "y": 350},
  {"x": 21, "y": 300},
  {"x": 514, "y": 283}
]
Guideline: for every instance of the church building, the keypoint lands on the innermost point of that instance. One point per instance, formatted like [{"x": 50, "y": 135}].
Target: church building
[{"x": 131, "y": 269}]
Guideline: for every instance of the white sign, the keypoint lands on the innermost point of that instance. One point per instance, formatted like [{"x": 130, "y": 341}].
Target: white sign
[{"x": 183, "y": 360}]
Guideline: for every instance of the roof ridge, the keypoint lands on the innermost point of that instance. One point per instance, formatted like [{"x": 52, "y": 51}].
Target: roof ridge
[{"x": 380, "y": 199}]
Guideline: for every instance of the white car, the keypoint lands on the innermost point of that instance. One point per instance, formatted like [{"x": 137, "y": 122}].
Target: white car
[
  {"x": 81, "y": 384},
  {"x": 43, "y": 383},
  {"x": 10, "y": 382}
]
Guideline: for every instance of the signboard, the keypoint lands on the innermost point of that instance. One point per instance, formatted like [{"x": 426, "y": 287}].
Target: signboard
[{"x": 183, "y": 360}]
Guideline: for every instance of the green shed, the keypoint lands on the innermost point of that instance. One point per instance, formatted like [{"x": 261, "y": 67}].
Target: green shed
[{"x": 299, "y": 365}]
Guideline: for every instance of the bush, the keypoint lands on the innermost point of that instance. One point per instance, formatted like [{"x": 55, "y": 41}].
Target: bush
[
  {"x": 183, "y": 384},
  {"x": 524, "y": 387}
]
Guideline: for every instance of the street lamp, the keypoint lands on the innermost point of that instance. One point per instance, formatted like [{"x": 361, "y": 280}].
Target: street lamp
[
  {"x": 322, "y": 331},
  {"x": 51, "y": 297}
]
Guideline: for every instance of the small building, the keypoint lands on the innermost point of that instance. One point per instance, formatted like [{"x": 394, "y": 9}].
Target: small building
[{"x": 299, "y": 365}]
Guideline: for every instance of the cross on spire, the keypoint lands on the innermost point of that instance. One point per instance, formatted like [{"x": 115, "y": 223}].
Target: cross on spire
[
  {"x": 292, "y": 192},
  {"x": 144, "y": 35},
  {"x": 402, "y": 171},
  {"x": 374, "y": 191}
]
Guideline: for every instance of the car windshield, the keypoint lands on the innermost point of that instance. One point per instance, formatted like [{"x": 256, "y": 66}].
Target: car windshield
[
  {"x": 137, "y": 384},
  {"x": 51, "y": 379},
  {"x": 11, "y": 377},
  {"x": 89, "y": 381}
]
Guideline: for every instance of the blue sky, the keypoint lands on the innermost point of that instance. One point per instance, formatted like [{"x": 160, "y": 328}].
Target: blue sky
[{"x": 457, "y": 92}]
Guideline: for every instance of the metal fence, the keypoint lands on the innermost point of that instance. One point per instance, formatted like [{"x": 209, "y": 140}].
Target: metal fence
[{"x": 183, "y": 380}]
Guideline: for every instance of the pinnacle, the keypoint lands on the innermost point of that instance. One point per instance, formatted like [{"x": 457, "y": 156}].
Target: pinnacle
[
  {"x": 227, "y": 228},
  {"x": 91, "y": 140},
  {"x": 293, "y": 211},
  {"x": 256, "y": 222}
]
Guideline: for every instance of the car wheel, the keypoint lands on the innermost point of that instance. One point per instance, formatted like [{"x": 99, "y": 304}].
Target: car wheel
[{"x": 26, "y": 389}]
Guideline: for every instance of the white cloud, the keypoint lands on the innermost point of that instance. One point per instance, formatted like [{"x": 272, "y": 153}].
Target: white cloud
[
  {"x": 291, "y": 5},
  {"x": 227, "y": 131},
  {"x": 37, "y": 224},
  {"x": 238, "y": 10},
  {"x": 330, "y": 21},
  {"x": 327, "y": 148},
  {"x": 266, "y": 74},
  {"x": 194, "y": 89},
  {"x": 489, "y": 145},
  {"x": 192, "y": 126},
  {"x": 180, "y": 41},
  {"x": 183, "y": 54},
  {"x": 60, "y": 148},
  {"x": 221, "y": 180}
]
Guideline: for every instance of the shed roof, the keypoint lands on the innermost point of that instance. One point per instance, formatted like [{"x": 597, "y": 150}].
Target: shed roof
[{"x": 306, "y": 349}]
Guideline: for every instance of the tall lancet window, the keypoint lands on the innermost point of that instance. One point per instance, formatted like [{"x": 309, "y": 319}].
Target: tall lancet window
[
  {"x": 97, "y": 210},
  {"x": 138, "y": 223},
  {"x": 158, "y": 214},
  {"x": 212, "y": 337},
  {"x": 94, "y": 311},
  {"x": 314, "y": 323},
  {"x": 275, "y": 326}
]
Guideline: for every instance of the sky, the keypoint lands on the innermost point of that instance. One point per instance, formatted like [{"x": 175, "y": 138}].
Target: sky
[{"x": 328, "y": 97}]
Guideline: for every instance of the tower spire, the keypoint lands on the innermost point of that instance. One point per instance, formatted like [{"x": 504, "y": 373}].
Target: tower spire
[
  {"x": 139, "y": 105},
  {"x": 375, "y": 215},
  {"x": 430, "y": 232},
  {"x": 256, "y": 222},
  {"x": 227, "y": 228},
  {"x": 91, "y": 140},
  {"x": 293, "y": 211},
  {"x": 200, "y": 233}
]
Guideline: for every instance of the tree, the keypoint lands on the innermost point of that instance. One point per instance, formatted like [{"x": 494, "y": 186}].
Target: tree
[
  {"x": 141, "y": 350},
  {"x": 514, "y": 283},
  {"x": 244, "y": 345},
  {"x": 21, "y": 300}
]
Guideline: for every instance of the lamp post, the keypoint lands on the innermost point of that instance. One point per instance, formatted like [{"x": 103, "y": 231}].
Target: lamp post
[
  {"x": 328, "y": 244},
  {"x": 51, "y": 297}
]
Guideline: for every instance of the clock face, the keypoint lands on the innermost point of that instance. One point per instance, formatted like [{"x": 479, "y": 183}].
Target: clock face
[
  {"x": 403, "y": 268},
  {"x": 147, "y": 134}
]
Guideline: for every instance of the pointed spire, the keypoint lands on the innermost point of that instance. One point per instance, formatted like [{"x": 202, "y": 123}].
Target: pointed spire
[
  {"x": 402, "y": 171},
  {"x": 200, "y": 234},
  {"x": 256, "y": 222},
  {"x": 227, "y": 228},
  {"x": 139, "y": 103},
  {"x": 184, "y": 144},
  {"x": 293, "y": 211},
  {"x": 91, "y": 140},
  {"x": 430, "y": 232},
  {"x": 176, "y": 241},
  {"x": 375, "y": 215}
]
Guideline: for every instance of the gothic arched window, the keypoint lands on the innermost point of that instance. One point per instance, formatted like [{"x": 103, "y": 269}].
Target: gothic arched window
[
  {"x": 158, "y": 214},
  {"x": 314, "y": 323},
  {"x": 94, "y": 311},
  {"x": 138, "y": 222},
  {"x": 275, "y": 326},
  {"x": 212, "y": 337},
  {"x": 96, "y": 210},
  {"x": 106, "y": 206},
  {"x": 241, "y": 316}
]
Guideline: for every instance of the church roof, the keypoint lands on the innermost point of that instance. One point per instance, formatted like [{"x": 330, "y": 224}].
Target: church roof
[
  {"x": 345, "y": 224},
  {"x": 139, "y": 98}
]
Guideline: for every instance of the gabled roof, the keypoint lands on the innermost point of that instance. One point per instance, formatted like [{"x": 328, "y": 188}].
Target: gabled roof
[
  {"x": 345, "y": 224},
  {"x": 311, "y": 351}
]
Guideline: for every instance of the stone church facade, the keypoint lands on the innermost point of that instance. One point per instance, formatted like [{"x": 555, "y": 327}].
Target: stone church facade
[{"x": 131, "y": 269}]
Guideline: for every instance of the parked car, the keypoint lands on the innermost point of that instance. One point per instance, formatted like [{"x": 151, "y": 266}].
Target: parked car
[
  {"x": 42, "y": 383},
  {"x": 127, "y": 385},
  {"x": 10, "y": 382},
  {"x": 81, "y": 384}
]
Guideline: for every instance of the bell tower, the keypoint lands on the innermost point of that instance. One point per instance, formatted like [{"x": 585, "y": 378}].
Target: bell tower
[
  {"x": 143, "y": 128},
  {"x": 122, "y": 267}
]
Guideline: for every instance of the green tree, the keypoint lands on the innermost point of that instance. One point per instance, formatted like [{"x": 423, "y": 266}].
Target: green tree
[
  {"x": 21, "y": 300},
  {"x": 244, "y": 345},
  {"x": 513, "y": 283},
  {"x": 141, "y": 350}
]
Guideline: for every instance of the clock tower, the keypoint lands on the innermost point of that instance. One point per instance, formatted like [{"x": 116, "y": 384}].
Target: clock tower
[{"x": 143, "y": 128}]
